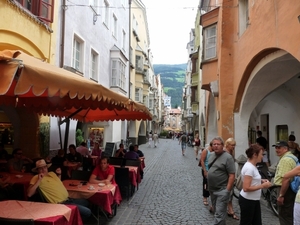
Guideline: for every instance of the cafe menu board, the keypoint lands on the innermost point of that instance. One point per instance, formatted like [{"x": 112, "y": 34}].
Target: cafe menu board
[{"x": 109, "y": 148}]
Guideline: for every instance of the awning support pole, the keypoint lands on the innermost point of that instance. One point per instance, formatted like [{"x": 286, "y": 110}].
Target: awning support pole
[{"x": 67, "y": 121}]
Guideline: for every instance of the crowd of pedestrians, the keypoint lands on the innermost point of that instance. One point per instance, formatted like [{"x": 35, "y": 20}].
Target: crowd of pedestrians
[{"x": 217, "y": 162}]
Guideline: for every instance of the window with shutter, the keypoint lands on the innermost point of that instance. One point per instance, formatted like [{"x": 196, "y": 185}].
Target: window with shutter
[{"x": 43, "y": 9}]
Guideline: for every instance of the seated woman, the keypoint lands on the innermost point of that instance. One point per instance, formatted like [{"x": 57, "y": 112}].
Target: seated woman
[
  {"x": 97, "y": 151},
  {"x": 103, "y": 173}
]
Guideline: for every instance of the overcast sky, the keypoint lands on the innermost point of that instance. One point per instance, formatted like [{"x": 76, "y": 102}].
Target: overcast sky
[{"x": 170, "y": 22}]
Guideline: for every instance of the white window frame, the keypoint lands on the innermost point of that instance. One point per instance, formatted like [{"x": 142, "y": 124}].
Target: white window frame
[
  {"x": 210, "y": 42},
  {"x": 123, "y": 39},
  {"x": 139, "y": 63},
  {"x": 123, "y": 3},
  {"x": 115, "y": 26},
  {"x": 134, "y": 23},
  {"x": 77, "y": 56},
  {"x": 138, "y": 94},
  {"x": 118, "y": 77},
  {"x": 96, "y": 5},
  {"x": 106, "y": 13},
  {"x": 94, "y": 66}
]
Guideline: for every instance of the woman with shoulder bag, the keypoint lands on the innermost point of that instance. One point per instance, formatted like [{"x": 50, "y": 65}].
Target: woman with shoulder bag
[
  {"x": 196, "y": 145},
  {"x": 204, "y": 165}
]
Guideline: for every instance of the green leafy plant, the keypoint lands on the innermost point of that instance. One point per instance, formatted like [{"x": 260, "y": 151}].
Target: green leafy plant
[
  {"x": 79, "y": 137},
  {"x": 44, "y": 139},
  {"x": 164, "y": 133}
]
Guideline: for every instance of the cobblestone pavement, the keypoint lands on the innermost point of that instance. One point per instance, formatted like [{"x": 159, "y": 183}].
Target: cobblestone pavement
[{"x": 171, "y": 192}]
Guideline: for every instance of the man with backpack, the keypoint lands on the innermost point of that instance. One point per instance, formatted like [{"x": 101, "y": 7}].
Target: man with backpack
[
  {"x": 183, "y": 140},
  {"x": 286, "y": 196}
]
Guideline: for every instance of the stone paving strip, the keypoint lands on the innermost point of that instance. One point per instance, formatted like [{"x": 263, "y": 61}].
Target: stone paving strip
[{"x": 171, "y": 192}]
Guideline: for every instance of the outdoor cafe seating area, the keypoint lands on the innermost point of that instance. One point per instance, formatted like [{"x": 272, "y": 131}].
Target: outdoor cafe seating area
[{"x": 104, "y": 199}]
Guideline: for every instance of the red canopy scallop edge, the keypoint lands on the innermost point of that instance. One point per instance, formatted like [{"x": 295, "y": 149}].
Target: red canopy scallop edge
[{"x": 46, "y": 89}]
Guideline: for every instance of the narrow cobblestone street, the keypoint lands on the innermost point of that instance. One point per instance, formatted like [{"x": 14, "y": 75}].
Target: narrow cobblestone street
[{"x": 171, "y": 192}]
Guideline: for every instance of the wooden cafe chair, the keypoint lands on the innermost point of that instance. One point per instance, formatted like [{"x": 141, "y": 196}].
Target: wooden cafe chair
[{"x": 123, "y": 181}]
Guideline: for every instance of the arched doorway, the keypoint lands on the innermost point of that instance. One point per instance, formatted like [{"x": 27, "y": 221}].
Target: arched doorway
[{"x": 271, "y": 89}]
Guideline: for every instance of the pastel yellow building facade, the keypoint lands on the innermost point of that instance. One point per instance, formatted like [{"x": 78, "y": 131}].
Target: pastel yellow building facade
[{"x": 22, "y": 30}]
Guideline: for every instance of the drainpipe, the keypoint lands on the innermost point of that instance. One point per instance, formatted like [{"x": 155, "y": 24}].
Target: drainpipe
[
  {"x": 62, "y": 34},
  {"x": 129, "y": 2},
  {"x": 61, "y": 65}
]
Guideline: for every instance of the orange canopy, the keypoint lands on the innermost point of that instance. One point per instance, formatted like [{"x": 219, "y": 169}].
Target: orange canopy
[{"x": 49, "y": 90}]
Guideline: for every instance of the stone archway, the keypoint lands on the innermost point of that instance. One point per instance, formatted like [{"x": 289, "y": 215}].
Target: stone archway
[{"x": 271, "y": 83}]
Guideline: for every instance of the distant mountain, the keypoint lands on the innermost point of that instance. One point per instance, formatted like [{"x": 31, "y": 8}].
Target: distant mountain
[{"x": 172, "y": 77}]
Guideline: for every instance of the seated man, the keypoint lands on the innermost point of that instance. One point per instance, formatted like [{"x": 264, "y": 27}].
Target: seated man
[
  {"x": 103, "y": 173},
  {"x": 60, "y": 161},
  {"x": 142, "y": 158},
  {"x": 53, "y": 189},
  {"x": 139, "y": 152},
  {"x": 74, "y": 159},
  {"x": 120, "y": 152},
  {"x": 19, "y": 162},
  {"x": 131, "y": 154}
]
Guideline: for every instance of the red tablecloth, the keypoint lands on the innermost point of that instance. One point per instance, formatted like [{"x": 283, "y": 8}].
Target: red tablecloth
[
  {"x": 21, "y": 179},
  {"x": 42, "y": 213},
  {"x": 101, "y": 196}
]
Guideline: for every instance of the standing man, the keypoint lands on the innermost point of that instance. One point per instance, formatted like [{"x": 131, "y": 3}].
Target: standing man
[
  {"x": 286, "y": 196},
  {"x": 155, "y": 139},
  {"x": 261, "y": 140},
  {"x": 263, "y": 143},
  {"x": 220, "y": 177},
  {"x": 183, "y": 140}
]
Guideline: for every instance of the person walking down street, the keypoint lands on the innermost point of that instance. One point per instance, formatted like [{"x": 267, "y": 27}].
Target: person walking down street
[
  {"x": 204, "y": 165},
  {"x": 262, "y": 141},
  {"x": 220, "y": 178},
  {"x": 197, "y": 145},
  {"x": 150, "y": 139},
  {"x": 230, "y": 144},
  {"x": 285, "y": 184},
  {"x": 182, "y": 141},
  {"x": 286, "y": 197},
  {"x": 249, "y": 199},
  {"x": 155, "y": 139}
]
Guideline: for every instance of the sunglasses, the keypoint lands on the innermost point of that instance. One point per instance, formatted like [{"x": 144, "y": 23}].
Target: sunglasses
[{"x": 20, "y": 153}]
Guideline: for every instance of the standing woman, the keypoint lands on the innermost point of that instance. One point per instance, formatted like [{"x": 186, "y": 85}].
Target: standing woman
[
  {"x": 150, "y": 139},
  {"x": 249, "y": 199},
  {"x": 230, "y": 147},
  {"x": 197, "y": 144},
  {"x": 204, "y": 165}
]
